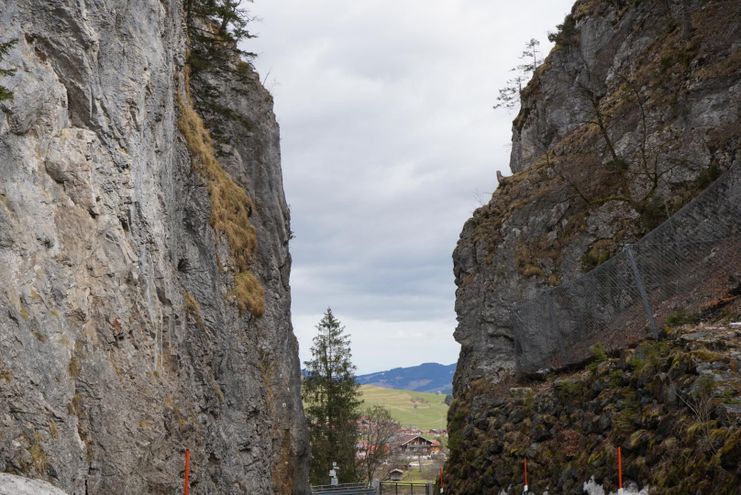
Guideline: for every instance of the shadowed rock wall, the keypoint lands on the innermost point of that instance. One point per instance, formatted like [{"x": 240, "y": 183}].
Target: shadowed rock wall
[
  {"x": 687, "y": 263},
  {"x": 631, "y": 115}
]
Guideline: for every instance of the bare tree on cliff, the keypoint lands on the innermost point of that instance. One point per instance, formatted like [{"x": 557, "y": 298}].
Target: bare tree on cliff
[
  {"x": 376, "y": 434},
  {"x": 330, "y": 393},
  {"x": 509, "y": 95}
]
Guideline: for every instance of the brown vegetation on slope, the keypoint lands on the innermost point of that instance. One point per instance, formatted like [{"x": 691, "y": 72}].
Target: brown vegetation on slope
[{"x": 231, "y": 207}]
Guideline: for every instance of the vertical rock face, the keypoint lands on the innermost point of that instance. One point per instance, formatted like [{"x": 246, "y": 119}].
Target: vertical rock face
[
  {"x": 121, "y": 343},
  {"x": 631, "y": 115}
]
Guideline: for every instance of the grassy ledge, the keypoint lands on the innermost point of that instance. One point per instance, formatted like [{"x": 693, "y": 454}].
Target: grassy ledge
[{"x": 230, "y": 207}]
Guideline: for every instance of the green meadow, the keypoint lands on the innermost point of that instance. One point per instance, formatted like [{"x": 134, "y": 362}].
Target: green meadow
[{"x": 419, "y": 409}]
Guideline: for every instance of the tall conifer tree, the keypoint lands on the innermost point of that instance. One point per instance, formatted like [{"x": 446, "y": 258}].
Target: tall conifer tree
[{"x": 330, "y": 393}]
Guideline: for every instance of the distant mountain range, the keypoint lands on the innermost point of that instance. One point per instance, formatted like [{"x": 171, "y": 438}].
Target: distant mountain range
[{"x": 427, "y": 377}]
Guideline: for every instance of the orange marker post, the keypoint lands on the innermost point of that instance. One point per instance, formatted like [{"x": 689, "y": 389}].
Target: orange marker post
[
  {"x": 442, "y": 486},
  {"x": 620, "y": 471},
  {"x": 525, "y": 487},
  {"x": 187, "y": 470}
]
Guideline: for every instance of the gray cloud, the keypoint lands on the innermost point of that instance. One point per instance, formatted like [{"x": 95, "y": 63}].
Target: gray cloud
[{"x": 389, "y": 142}]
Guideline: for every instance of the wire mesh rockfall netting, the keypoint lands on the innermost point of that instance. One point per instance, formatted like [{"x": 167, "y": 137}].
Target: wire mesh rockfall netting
[{"x": 682, "y": 265}]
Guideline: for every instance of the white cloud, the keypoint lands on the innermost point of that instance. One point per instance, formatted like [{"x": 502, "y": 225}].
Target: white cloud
[{"x": 389, "y": 142}]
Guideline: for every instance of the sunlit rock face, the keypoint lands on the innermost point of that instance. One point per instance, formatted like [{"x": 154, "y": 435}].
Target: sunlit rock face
[
  {"x": 121, "y": 342},
  {"x": 631, "y": 115},
  {"x": 17, "y": 485}
]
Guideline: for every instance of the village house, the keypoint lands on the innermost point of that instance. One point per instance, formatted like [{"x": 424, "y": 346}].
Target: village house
[
  {"x": 415, "y": 445},
  {"x": 395, "y": 475}
]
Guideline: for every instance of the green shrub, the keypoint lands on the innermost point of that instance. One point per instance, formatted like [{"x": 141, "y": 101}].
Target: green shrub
[
  {"x": 599, "y": 353},
  {"x": 569, "y": 391},
  {"x": 628, "y": 413},
  {"x": 566, "y": 33},
  {"x": 681, "y": 317},
  {"x": 707, "y": 176}
]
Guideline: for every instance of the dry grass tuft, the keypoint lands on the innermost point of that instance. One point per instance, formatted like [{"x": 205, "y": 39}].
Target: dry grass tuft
[
  {"x": 53, "y": 429},
  {"x": 74, "y": 367},
  {"x": 283, "y": 465},
  {"x": 193, "y": 308},
  {"x": 230, "y": 207},
  {"x": 249, "y": 293},
  {"x": 40, "y": 461},
  {"x": 5, "y": 374},
  {"x": 74, "y": 407}
]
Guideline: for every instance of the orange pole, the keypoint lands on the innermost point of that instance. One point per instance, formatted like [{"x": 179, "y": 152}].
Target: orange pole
[
  {"x": 620, "y": 469},
  {"x": 187, "y": 470},
  {"x": 525, "y": 471}
]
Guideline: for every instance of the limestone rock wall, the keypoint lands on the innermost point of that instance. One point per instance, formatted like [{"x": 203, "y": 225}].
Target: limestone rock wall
[
  {"x": 631, "y": 115},
  {"x": 120, "y": 340},
  {"x": 16, "y": 485}
]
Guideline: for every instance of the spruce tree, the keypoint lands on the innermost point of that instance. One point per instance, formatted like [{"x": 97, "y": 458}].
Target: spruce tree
[
  {"x": 219, "y": 23},
  {"x": 330, "y": 394}
]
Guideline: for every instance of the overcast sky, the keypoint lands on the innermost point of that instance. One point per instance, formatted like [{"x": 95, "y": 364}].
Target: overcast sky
[{"x": 389, "y": 143}]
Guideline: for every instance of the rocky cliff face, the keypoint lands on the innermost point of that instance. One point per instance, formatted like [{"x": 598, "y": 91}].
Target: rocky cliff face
[
  {"x": 140, "y": 314},
  {"x": 632, "y": 114},
  {"x": 671, "y": 406}
]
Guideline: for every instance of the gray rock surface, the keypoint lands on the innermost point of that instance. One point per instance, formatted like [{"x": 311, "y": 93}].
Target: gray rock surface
[
  {"x": 630, "y": 117},
  {"x": 11, "y": 484},
  {"x": 686, "y": 83},
  {"x": 668, "y": 98},
  {"x": 120, "y": 345}
]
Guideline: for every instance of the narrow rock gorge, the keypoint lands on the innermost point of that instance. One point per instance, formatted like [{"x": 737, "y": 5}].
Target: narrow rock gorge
[
  {"x": 144, "y": 262},
  {"x": 633, "y": 113}
]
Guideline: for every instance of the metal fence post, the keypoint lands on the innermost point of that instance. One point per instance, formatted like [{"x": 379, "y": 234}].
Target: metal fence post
[{"x": 642, "y": 291}]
